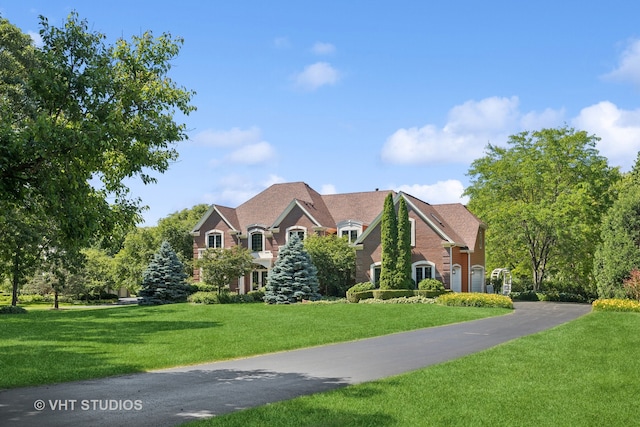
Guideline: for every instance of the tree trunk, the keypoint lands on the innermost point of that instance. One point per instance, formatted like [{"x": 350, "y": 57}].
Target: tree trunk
[
  {"x": 15, "y": 279},
  {"x": 55, "y": 300}
]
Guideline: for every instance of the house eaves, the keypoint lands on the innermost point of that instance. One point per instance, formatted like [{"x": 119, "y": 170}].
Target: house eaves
[
  {"x": 287, "y": 211},
  {"x": 196, "y": 230}
]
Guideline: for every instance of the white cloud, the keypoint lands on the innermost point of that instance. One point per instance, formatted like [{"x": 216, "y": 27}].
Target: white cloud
[
  {"x": 320, "y": 48},
  {"x": 628, "y": 69},
  {"x": 227, "y": 138},
  {"x": 36, "y": 37},
  {"x": 328, "y": 189},
  {"x": 252, "y": 154},
  {"x": 469, "y": 128},
  {"x": 315, "y": 76},
  {"x": 449, "y": 191},
  {"x": 618, "y": 129}
]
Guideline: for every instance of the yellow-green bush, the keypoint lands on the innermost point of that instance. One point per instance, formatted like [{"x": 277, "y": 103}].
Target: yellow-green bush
[
  {"x": 474, "y": 300},
  {"x": 616, "y": 304}
]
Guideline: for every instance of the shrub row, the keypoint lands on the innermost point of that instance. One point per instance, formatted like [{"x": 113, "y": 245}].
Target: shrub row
[
  {"x": 208, "y": 297},
  {"x": 10, "y": 309},
  {"x": 616, "y": 305},
  {"x": 402, "y": 300},
  {"x": 456, "y": 299},
  {"x": 548, "y": 296}
]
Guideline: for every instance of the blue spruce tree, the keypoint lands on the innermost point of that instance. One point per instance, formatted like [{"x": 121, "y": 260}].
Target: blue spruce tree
[
  {"x": 163, "y": 281},
  {"x": 293, "y": 277}
]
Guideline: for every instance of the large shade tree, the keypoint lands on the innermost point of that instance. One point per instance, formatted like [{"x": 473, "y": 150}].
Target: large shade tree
[
  {"x": 543, "y": 196},
  {"x": 78, "y": 117}
]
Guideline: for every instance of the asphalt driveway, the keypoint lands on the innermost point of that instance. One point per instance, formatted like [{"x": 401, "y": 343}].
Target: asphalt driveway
[{"x": 170, "y": 397}]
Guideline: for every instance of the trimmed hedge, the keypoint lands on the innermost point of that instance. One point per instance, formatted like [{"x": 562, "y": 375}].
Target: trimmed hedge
[
  {"x": 473, "y": 299},
  {"x": 10, "y": 309},
  {"x": 352, "y": 292},
  {"x": 385, "y": 294},
  {"x": 431, "y": 285},
  {"x": 616, "y": 304}
]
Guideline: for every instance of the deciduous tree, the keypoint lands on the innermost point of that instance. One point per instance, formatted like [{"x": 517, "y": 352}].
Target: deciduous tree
[
  {"x": 335, "y": 261},
  {"x": 220, "y": 266},
  {"x": 543, "y": 197}
]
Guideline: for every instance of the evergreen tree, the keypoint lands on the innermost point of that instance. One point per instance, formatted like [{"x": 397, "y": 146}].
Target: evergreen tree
[
  {"x": 389, "y": 241},
  {"x": 293, "y": 276},
  {"x": 164, "y": 279},
  {"x": 403, "y": 268}
]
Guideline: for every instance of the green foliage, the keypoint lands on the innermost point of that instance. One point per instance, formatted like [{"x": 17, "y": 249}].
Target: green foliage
[
  {"x": 543, "y": 197},
  {"x": 431, "y": 285},
  {"x": 403, "y": 267},
  {"x": 416, "y": 299},
  {"x": 72, "y": 112},
  {"x": 164, "y": 279},
  {"x": 335, "y": 261},
  {"x": 457, "y": 299},
  {"x": 12, "y": 309},
  {"x": 225, "y": 297},
  {"x": 525, "y": 296},
  {"x": 389, "y": 241},
  {"x": 137, "y": 252},
  {"x": 293, "y": 277},
  {"x": 219, "y": 266},
  {"x": 619, "y": 253},
  {"x": 176, "y": 229},
  {"x": 392, "y": 293},
  {"x": 357, "y": 288}
]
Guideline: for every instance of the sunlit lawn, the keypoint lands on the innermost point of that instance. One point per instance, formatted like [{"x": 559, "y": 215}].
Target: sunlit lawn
[
  {"x": 584, "y": 373},
  {"x": 47, "y": 346}
]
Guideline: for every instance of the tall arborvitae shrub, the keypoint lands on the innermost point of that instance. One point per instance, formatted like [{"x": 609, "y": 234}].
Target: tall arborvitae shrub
[
  {"x": 293, "y": 277},
  {"x": 389, "y": 241},
  {"x": 163, "y": 281},
  {"x": 403, "y": 267}
]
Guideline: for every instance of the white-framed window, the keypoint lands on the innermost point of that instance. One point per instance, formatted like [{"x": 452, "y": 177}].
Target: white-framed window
[
  {"x": 299, "y": 231},
  {"x": 256, "y": 240},
  {"x": 258, "y": 278},
  {"x": 214, "y": 239},
  {"x": 423, "y": 270},
  {"x": 413, "y": 231},
  {"x": 351, "y": 229},
  {"x": 374, "y": 272}
]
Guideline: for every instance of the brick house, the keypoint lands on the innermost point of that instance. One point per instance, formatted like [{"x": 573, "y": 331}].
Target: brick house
[{"x": 447, "y": 240}]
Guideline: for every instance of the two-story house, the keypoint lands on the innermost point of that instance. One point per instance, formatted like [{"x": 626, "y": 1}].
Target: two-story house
[{"x": 447, "y": 240}]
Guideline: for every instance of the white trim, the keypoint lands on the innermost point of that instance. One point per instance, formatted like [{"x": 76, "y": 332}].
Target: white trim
[
  {"x": 372, "y": 273},
  {"x": 295, "y": 228},
  {"x": 349, "y": 225},
  {"x": 420, "y": 264},
  {"x": 288, "y": 209},
  {"x": 412, "y": 222},
  {"x": 210, "y": 232},
  {"x": 250, "y": 234}
]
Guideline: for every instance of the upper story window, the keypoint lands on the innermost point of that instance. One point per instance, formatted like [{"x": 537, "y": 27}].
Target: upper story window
[
  {"x": 257, "y": 241},
  {"x": 351, "y": 229},
  {"x": 214, "y": 239},
  {"x": 299, "y": 231}
]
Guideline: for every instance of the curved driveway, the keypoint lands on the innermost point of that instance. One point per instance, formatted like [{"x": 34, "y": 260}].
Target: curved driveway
[{"x": 171, "y": 396}]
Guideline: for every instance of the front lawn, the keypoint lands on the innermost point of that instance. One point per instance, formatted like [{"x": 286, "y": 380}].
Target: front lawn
[
  {"x": 583, "y": 373},
  {"x": 46, "y": 346}
]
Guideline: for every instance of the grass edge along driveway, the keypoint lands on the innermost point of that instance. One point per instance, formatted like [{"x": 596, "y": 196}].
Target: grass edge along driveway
[
  {"x": 45, "y": 347},
  {"x": 585, "y": 373}
]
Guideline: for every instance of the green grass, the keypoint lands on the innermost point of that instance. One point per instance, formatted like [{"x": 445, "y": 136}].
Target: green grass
[
  {"x": 46, "y": 346},
  {"x": 584, "y": 373}
]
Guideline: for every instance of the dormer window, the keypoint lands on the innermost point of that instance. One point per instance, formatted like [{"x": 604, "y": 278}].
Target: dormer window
[
  {"x": 351, "y": 229},
  {"x": 214, "y": 239},
  {"x": 299, "y": 231}
]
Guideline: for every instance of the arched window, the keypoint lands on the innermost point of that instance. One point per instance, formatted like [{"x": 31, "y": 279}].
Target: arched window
[
  {"x": 423, "y": 270},
  {"x": 214, "y": 239},
  {"x": 299, "y": 231},
  {"x": 351, "y": 229}
]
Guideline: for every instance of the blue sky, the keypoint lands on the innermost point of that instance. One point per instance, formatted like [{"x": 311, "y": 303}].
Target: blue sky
[{"x": 353, "y": 96}]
